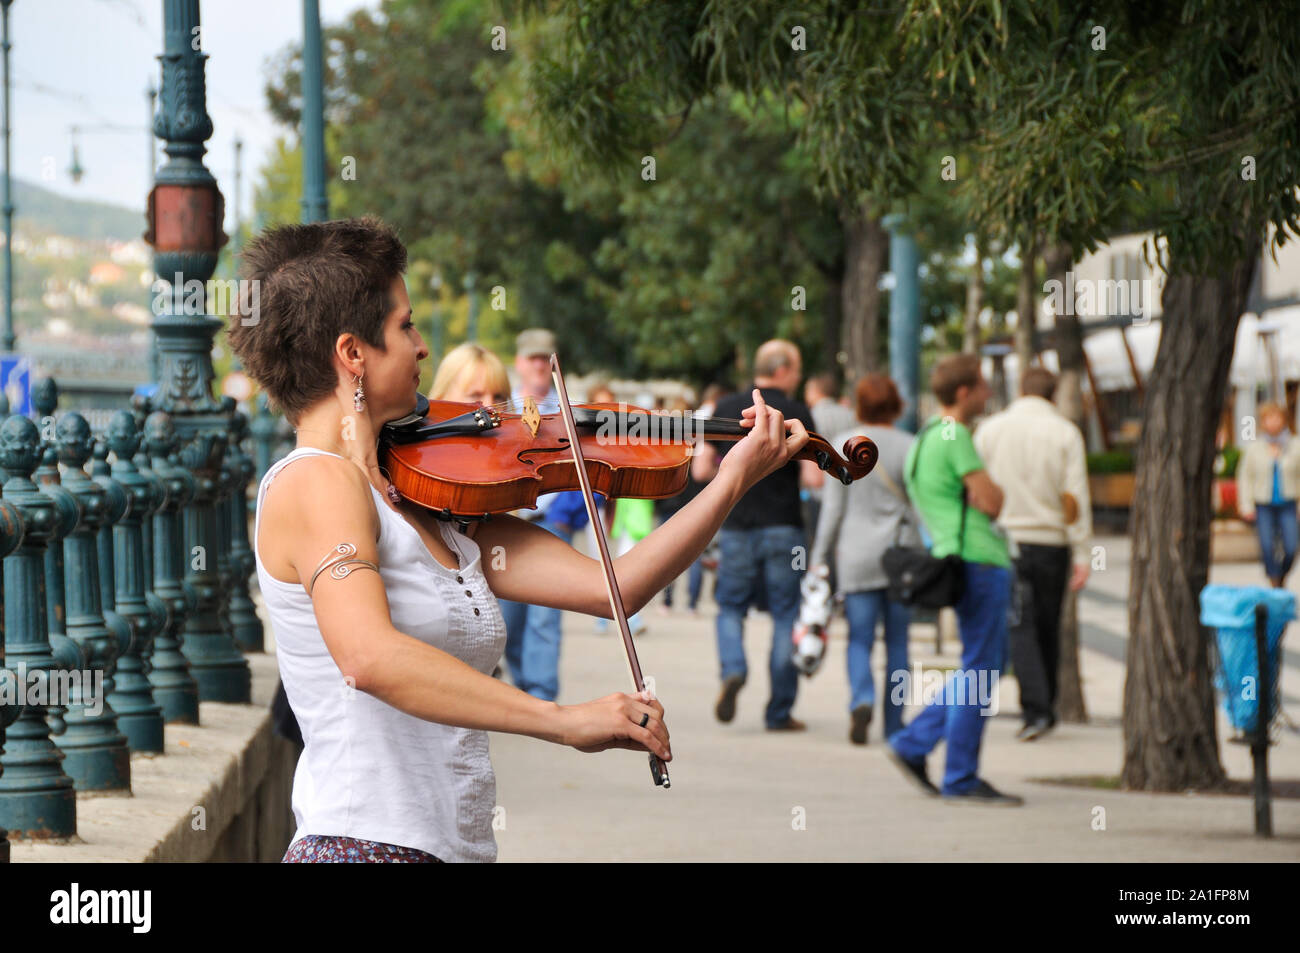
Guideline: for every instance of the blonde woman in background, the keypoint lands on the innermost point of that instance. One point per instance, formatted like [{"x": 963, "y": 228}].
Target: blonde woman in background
[
  {"x": 471, "y": 373},
  {"x": 1268, "y": 484}
]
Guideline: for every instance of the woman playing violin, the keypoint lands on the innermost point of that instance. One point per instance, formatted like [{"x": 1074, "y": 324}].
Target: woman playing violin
[{"x": 385, "y": 620}]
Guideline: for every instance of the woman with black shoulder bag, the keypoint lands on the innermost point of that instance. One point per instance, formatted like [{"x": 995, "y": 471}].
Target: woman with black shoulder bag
[{"x": 858, "y": 523}]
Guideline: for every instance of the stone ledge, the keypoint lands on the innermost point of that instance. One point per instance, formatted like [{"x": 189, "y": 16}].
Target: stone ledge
[{"x": 231, "y": 765}]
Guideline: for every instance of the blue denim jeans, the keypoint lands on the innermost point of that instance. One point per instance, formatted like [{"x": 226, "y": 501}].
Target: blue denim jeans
[
  {"x": 694, "y": 583},
  {"x": 864, "y": 609},
  {"x": 1276, "y": 524},
  {"x": 955, "y": 716},
  {"x": 533, "y": 641},
  {"x": 748, "y": 559}
]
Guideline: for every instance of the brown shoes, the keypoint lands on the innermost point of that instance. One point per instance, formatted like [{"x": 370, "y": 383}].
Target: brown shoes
[
  {"x": 861, "y": 721},
  {"x": 790, "y": 724},
  {"x": 726, "y": 706}
]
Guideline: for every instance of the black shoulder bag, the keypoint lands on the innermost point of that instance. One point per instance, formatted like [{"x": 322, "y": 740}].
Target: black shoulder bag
[{"x": 917, "y": 578}]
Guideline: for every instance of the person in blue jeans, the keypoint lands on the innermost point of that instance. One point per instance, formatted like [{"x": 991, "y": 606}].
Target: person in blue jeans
[
  {"x": 1268, "y": 483},
  {"x": 762, "y": 544},
  {"x": 946, "y": 480},
  {"x": 958, "y": 715},
  {"x": 533, "y": 632},
  {"x": 748, "y": 558},
  {"x": 856, "y": 525}
]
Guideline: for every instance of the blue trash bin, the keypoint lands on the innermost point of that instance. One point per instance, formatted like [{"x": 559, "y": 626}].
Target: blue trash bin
[{"x": 1230, "y": 611}]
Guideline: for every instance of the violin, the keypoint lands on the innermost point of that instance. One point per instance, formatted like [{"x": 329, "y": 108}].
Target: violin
[{"x": 467, "y": 462}]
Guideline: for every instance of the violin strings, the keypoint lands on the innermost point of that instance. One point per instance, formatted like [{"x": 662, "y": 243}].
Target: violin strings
[{"x": 513, "y": 405}]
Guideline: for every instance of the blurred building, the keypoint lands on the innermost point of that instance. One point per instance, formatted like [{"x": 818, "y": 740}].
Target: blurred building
[{"x": 1119, "y": 298}]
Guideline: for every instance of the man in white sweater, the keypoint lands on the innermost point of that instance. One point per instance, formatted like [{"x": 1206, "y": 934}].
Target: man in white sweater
[{"x": 1037, "y": 457}]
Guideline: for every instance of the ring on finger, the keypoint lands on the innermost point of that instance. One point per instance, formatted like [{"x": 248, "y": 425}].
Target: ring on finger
[{"x": 645, "y": 719}]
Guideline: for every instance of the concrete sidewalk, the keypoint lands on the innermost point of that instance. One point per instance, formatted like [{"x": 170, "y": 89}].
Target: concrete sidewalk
[{"x": 741, "y": 793}]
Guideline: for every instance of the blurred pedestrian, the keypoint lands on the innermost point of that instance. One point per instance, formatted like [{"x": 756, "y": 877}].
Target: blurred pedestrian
[
  {"x": 821, "y": 393},
  {"x": 945, "y": 478},
  {"x": 664, "y": 510},
  {"x": 762, "y": 539},
  {"x": 858, "y": 523},
  {"x": 533, "y": 632},
  {"x": 709, "y": 400},
  {"x": 633, "y": 521},
  {"x": 1036, "y": 456},
  {"x": 1268, "y": 485}
]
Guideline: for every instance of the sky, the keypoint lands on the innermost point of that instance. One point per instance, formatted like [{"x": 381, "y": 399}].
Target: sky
[{"x": 89, "y": 62}]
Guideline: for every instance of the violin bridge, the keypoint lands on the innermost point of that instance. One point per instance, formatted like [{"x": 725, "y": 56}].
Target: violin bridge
[{"x": 531, "y": 418}]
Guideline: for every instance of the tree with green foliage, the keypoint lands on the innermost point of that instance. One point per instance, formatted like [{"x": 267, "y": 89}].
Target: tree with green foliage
[
  {"x": 1187, "y": 110},
  {"x": 617, "y": 79},
  {"x": 409, "y": 139}
]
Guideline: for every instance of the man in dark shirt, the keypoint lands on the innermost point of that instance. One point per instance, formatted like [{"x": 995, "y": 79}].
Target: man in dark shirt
[{"x": 762, "y": 543}]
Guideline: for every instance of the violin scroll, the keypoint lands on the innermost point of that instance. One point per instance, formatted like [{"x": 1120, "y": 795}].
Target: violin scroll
[{"x": 862, "y": 454}]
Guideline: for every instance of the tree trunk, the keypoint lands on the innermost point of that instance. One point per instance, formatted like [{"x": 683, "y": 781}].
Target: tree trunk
[
  {"x": 1170, "y": 741},
  {"x": 970, "y": 339},
  {"x": 1026, "y": 303},
  {"x": 832, "y": 323},
  {"x": 866, "y": 249},
  {"x": 1070, "y": 705}
]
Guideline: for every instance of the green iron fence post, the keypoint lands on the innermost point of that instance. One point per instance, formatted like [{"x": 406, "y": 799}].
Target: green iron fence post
[
  {"x": 143, "y": 720},
  {"x": 66, "y": 514},
  {"x": 245, "y": 624},
  {"x": 116, "y": 503},
  {"x": 221, "y": 512},
  {"x": 173, "y": 685},
  {"x": 36, "y": 795},
  {"x": 97, "y": 754},
  {"x": 159, "y": 612},
  {"x": 11, "y": 534},
  {"x": 221, "y": 671},
  {"x": 263, "y": 429}
]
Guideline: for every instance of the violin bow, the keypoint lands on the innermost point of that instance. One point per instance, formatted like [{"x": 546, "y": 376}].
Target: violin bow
[{"x": 658, "y": 770}]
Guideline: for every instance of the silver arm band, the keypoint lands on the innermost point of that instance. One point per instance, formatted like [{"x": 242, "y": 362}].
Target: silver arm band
[{"x": 341, "y": 562}]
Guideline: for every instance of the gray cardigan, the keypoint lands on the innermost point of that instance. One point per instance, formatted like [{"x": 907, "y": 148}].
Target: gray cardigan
[{"x": 860, "y": 521}]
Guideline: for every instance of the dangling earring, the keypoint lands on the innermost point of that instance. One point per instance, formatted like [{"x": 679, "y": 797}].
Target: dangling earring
[{"x": 359, "y": 396}]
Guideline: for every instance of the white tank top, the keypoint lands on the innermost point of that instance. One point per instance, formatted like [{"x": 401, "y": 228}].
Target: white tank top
[{"x": 368, "y": 770}]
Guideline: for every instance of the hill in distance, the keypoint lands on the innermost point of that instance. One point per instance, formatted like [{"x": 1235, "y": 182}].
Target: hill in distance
[{"x": 40, "y": 210}]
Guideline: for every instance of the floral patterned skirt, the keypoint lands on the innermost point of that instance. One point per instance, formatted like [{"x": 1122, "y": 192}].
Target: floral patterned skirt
[{"x": 320, "y": 849}]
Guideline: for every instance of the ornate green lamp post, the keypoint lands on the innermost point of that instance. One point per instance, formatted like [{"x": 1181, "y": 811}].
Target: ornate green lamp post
[
  {"x": 315, "y": 205},
  {"x": 471, "y": 326},
  {"x": 7, "y": 327},
  {"x": 185, "y": 215},
  {"x": 905, "y": 316}
]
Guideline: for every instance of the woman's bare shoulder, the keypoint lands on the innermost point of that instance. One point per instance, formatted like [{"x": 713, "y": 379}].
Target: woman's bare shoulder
[{"x": 318, "y": 484}]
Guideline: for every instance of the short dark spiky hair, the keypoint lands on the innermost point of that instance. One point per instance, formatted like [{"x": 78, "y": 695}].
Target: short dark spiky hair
[{"x": 315, "y": 282}]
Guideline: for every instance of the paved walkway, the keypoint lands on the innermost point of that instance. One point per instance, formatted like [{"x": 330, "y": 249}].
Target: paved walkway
[{"x": 740, "y": 793}]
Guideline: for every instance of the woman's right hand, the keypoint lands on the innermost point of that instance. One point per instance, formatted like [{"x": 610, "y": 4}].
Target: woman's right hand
[{"x": 615, "y": 722}]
